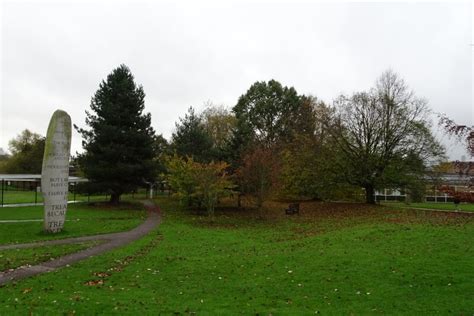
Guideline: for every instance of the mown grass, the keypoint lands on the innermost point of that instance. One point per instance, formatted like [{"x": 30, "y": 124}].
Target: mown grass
[
  {"x": 469, "y": 207},
  {"x": 81, "y": 220},
  {"x": 332, "y": 259},
  {"x": 14, "y": 258},
  {"x": 13, "y": 196},
  {"x": 19, "y": 197}
]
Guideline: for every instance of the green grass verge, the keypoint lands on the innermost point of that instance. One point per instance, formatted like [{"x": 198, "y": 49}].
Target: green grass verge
[
  {"x": 469, "y": 207},
  {"x": 81, "y": 220},
  {"x": 345, "y": 262},
  {"x": 14, "y": 258},
  {"x": 17, "y": 197}
]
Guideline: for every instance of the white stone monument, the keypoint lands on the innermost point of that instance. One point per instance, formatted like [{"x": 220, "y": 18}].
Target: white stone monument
[{"x": 55, "y": 171}]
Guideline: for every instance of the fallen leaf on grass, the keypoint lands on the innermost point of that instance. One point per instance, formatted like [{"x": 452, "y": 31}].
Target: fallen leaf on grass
[
  {"x": 94, "y": 282},
  {"x": 75, "y": 298},
  {"x": 27, "y": 290}
]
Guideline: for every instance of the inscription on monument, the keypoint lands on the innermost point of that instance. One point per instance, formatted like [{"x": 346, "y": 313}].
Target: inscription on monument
[{"x": 55, "y": 172}]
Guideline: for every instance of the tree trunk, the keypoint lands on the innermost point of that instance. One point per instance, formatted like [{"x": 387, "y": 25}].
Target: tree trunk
[
  {"x": 369, "y": 194},
  {"x": 114, "y": 198},
  {"x": 259, "y": 200}
]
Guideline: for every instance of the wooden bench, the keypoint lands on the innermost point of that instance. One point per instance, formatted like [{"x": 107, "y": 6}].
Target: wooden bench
[{"x": 293, "y": 208}]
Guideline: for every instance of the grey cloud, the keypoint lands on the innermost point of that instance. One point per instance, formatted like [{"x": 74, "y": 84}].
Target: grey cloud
[{"x": 54, "y": 55}]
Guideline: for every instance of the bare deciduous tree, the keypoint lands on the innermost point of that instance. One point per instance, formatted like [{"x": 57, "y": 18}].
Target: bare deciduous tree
[{"x": 383, "y": 135}]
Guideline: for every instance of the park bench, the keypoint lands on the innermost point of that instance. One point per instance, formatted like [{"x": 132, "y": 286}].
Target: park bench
[{"x": 293, "y": 208}]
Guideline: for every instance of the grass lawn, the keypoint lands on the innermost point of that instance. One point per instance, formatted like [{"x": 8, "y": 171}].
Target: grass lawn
[
  {"x": 14, "y": 258},
  {"x": 13, "y": 196},
  {"x": 81, "y": 220},
  {"x": 435, "y": 206},
  {"x": 332, "y": 259},
  {"x": 17, "y": 197}
]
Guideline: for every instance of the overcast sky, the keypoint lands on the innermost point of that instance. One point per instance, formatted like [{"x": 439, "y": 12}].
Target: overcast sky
[{"x": 54, "y": 54}]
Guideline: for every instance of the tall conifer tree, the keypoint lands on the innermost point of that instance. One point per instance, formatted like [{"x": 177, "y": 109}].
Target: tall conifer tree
[{"x": 119, "y": 148}]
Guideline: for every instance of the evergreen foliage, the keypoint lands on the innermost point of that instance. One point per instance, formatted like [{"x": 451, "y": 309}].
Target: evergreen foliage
[
  {"x": 191, "y": 138},
  {"x": 120, "y": 144}
]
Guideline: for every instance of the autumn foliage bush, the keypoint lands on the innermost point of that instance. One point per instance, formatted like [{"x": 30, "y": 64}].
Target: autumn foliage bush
[
  {"x": 461, "y": 195},
  {"x": 258, "y": 176},
  {"x": 198, "y": 183}
]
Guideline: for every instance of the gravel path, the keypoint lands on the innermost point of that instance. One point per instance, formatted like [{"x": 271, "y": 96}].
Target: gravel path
[{"x": 111, "y": 241}]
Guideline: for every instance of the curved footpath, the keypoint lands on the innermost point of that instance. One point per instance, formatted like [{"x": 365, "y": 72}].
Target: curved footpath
[{"x": 113, "y": 240}]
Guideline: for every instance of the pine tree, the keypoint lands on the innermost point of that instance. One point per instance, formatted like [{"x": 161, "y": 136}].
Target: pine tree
[
  {"x": 119, "y": 146},
  {"x": 191, "y": 138}
]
